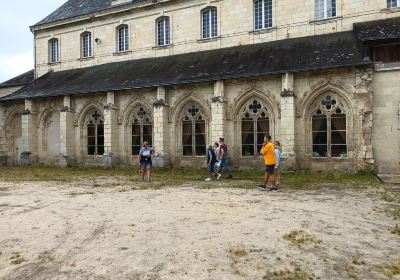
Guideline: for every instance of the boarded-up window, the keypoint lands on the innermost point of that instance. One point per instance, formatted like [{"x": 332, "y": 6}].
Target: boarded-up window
[{"x": 386, "y": 53}]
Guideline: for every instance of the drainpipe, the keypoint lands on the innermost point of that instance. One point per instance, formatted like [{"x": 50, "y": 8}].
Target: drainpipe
[{"x": 34, "y": 54}]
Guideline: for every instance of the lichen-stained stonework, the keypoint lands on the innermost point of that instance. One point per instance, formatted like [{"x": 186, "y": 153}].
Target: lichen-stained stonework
[{"x": 339, "y": 112}]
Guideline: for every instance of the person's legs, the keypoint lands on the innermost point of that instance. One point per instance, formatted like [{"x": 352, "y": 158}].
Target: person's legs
[
  {"x": 266, "y": 178},
  {"x": 148, "y": 169},
  {"x": 225, "y": 165},
  {"x": 142, "y": 170}
]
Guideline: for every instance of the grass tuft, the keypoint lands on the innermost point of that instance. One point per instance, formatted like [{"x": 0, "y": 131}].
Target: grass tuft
[
  {"x": 238, "y": 251},
  {"x": 16, "y": 258},
  {"x": 396, "y": 230},
  {"x": 299, "y": 238},
  {"x": 287, "y": 274},
  {"x": 392, "y": 269}
]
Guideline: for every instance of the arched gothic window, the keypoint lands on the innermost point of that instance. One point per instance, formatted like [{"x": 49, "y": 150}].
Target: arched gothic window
[
  {"x": 209, "y": 23},
  {"x": 95, "y": 134},
  {"x": 329, "y": 128},
  {"x": 142, "y": 130},
  {"x": 193, "y": 132},
  {"x": 255, "y": 124}
]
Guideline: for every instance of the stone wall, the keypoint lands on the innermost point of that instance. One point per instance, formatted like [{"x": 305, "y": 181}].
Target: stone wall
[
  {"x": 235, "y": 27},
  {"x": 288, "y": 101}
]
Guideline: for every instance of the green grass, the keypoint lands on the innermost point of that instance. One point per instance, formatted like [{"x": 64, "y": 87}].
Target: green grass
[
  {"x": 300, "y": 238},
  {"x": 178, "y": 176},
  {"x": 392, "y": 269},
  {"x": 287, "y": 274}
]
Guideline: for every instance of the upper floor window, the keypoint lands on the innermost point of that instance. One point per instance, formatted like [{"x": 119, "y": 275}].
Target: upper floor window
[
  {"x": 86, "y": 44},
  {"x": 54, "y": 52},
  {"x": 209, "y": 23},
  {"x": 122, "y": 38},
  {"x": 393, "y": 3},
  {"x": 262, "y": 14},
  {"x": 325, "y": 9},
  {"x": 163, "y": 32}
]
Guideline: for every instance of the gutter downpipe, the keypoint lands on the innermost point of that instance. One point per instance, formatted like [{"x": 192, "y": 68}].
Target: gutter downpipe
[{"x": 34, "y": 54}]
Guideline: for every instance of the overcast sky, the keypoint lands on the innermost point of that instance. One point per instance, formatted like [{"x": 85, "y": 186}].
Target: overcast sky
[{"x": 16, "y": 47}]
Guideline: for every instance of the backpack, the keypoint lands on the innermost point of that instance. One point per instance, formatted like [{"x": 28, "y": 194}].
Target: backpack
[{"x": 213, "y": 158}]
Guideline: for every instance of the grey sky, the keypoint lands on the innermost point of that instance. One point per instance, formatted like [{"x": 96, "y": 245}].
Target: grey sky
[{"x": 16, "y": 48}]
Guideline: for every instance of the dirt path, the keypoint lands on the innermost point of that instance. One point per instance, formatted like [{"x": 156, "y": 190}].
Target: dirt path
[{"x": 63, "y": 231}]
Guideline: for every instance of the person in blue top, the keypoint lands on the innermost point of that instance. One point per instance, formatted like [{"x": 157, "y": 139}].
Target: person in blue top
[
  {"x": 145, "y": 155},
  {"x": 277, "y": 169}
]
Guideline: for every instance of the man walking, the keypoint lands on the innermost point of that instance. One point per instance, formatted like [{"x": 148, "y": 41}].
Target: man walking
[
  {"x": 223, "y": 158},
  {"x": 268, "y": 151}
]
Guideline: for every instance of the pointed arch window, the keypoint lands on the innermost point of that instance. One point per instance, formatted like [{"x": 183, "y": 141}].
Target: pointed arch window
[
  {"x": 163, "y": 32},
  {"x": 255, "y": 123},
  {"x": 122, "y": 38},
  {"x": 193, "y": 132},
  {"x": 209, "y": 23},
  {"x": 86, "y": 44},
  {"x": 329, "y": 129},
  {"x": 142, "y": 130},
  {"x": 95, "y": 134},
  {"x": 54, "y": 51},
  {"x": 262, "y": 14}
]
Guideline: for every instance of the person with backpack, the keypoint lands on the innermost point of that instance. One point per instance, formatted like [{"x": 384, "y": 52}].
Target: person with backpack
[
  {"x": 223, "y": 158},
  {"x": 211, "y": 160}
]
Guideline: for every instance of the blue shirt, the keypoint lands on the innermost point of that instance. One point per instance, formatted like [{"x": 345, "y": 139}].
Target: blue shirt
[
  {"x": 146, "y": 152},
  {"x": 278, "y": 158}
]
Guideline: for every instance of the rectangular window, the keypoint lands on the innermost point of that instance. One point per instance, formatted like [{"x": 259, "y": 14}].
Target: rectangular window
[
  {"x": 386, "y": 53},
  {"x": 209, "y": 20},
  {"x": 325, "y": 9},
  {"x": 338, "y": 136},
  {"x": 163, "y": 32},
  {"x": 262, "y": 14},
  {"x": 187, "y": 138},
  {"x": 393, "y": 3},
  {"x": 87, "y": 45},
  {"x": 248, "y": 137},
  {"x": 136, "y": 141},
  {"x": 54, "y": 51},
  {"x": 123, "y": 39},
  {"x": 320, "y": 136},
  {"x": 200, "y": 137}
]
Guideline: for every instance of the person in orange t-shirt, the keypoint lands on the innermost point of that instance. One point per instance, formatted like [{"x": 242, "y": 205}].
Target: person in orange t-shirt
[{"x": 268, "y": 151}]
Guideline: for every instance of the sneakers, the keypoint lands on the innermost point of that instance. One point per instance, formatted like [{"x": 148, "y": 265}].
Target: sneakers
[
  {"x": 218, "y": 176},
  {"x": 262, "y": 187},
  {"x": 208, "y": 179},
  {"x": 274, "y": 190}
]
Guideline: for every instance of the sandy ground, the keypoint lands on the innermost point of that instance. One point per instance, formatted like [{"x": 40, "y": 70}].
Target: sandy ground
[{"x": 65, "y": 231}]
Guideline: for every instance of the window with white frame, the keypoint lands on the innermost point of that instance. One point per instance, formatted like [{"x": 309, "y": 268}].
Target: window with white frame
[
  {"x": 254, "y": 124},
  {"x": 142, "y": 130},
  {"x": 54, "y": 53},
  {"x": 262, "y": 14},
  {"x": 209, "y": 23},
  {"x": 325, "y": 9},
  {"x": 122, "y": 38},
  {"x": 163, "y": 32},
  {"x": 193, "y": 131},
  {"x": 329, "y": 129},
  {"x": 393, "y": 3},
  {"x": 95, "y": 134},
  {"x": 86, "y": 42}
]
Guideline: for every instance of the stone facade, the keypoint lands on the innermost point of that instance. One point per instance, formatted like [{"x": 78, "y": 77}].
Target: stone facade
[{"x": 54, "y": 130}]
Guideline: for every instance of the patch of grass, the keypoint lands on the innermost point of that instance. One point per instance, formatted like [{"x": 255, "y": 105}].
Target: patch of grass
[
  {"x": 394, "y": 213},
  {"x": 79, "y": 193},
  {"x": 17, "y": 258},
  {"x": 245, "y": 179},
  {"x": 238, "y": 251},
  {"x": 392, "y": 269},
  {"x": 300, "y": 238},
  {"x": 287, "y": 274},
  {"x": 396, "y": 230},
  {"x": 390, "y": 196}
]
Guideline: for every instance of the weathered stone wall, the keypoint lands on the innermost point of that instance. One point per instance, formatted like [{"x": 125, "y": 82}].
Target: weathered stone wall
[
  {"x": 289, "y": 101},
  {"x": 8, "y": 90},
  {"x": 235, "y": 27},
  {"x": 386, "y": 120}
]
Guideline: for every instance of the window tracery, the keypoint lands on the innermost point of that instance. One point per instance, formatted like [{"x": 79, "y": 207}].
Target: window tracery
[
  {"x": 329, "y": 128},
  {"x": 95, "y": 134},
  {"x": 255, "y": 123},
  {"x": 142, "y": 129},
  {"x": 193, "y": 131}
]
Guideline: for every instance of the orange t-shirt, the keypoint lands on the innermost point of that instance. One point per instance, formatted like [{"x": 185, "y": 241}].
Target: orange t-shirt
[{"x": 268, "y": 151}]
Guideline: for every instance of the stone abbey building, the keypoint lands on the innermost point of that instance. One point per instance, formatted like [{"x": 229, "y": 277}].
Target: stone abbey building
[{"x": 321, "y": 76}]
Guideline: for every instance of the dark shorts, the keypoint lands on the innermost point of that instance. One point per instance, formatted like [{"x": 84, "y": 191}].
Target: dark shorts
[
  {"x": 270, "y": 169},
  {"x": 210, "y": 168},
  {"x": 145, "y": 163}
]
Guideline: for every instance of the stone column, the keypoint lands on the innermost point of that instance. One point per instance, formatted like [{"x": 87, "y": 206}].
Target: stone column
[
  {"x": 161, "y": 129},
  {"x": 218, "y": 111},
  {"x": 288, "y": 118},
  {"x": 29, "y": 134},
  {"x": 67, "y": 133},
  {"x": 110, "y": 155}
]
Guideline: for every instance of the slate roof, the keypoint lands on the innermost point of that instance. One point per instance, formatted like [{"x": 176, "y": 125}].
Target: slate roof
[
  {"x": 20, "y": 80},
  {"x": 291, "y": 55},
  {"x": 378, "y": 30},
  {"x": 76, "y": 8}
]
